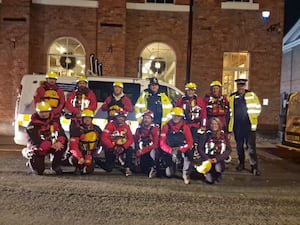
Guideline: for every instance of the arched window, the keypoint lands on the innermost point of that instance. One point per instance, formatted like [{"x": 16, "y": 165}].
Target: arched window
[
  {"x": 67, "y": 57},
  {"x": 158, "y": 60}
]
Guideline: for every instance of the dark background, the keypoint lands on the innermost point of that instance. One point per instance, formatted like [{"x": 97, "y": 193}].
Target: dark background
[{"x": 292, "y": 14}]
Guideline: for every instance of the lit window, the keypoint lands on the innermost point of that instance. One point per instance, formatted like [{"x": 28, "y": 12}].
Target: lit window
[
  {"x": 67, "y": 57},
  {"x": 235, "y": 65},
  {"x": 158, "y": 60}
]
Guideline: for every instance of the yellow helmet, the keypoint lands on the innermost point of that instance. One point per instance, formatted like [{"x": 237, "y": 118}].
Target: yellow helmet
[
  {"x": 216, "y": 83},
  {"x": 118, "y": 84},
  {"x": 87, "y": 113},
  {"x": 191, "y": 86},
  {"x": 112, "y": 110},
  {"x": 204, "y": 167},
  {"x": 79, "y": 79},
  {"x": 43, "y": 107},
  {"x": 51, "y": 75},
  {"x": 177, "y": 111}
]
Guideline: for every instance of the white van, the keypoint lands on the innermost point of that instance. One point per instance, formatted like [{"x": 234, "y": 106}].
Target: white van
[{"x": 102, "y": 87}]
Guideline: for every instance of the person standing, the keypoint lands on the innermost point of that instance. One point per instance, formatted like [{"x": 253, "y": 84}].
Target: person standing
[
  {"x": 245, "y": 109},
  {"x": 176, "y": 142},
  {"x": 217, "y": 105},
  {"x": 82, "y": 98},
  {"x": 194, "y": 111},
  {"x": 51, "y": 93},
  {"x": 116, "y": 101},
  {"x": 156, "y": 101},
  {"x": 45, "y": 136},
  {"x": 147, "y": 144}
]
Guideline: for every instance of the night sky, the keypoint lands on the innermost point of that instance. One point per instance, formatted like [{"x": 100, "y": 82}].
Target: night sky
[{"x": 292, "y": 14}]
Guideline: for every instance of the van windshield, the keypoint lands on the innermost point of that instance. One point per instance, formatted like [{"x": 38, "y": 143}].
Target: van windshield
[{"x": 103, "y": 89}]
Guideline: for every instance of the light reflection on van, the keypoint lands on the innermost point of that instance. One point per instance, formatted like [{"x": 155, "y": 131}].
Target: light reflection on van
[{"x": 101, "y": 86}]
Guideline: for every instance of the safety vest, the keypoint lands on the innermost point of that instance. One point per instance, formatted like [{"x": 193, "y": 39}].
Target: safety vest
[
  {"x": 253, "y": 109},
  {"x": 141, "y": 106},
  {"x": 51, "y": 97},
  {"x": 175, "y": 139}
]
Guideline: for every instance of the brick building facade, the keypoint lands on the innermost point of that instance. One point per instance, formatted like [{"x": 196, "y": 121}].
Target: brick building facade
[{"x": 28, "y": 27}]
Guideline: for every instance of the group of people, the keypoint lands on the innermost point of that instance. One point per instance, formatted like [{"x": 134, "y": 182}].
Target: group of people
[{"x": 169, "y": 137}]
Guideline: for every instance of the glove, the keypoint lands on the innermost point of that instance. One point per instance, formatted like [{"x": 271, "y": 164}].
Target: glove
[{"x": 118, "y": 150}]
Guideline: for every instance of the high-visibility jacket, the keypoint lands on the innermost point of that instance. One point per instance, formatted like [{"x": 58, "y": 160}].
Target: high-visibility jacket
[
  {"x": 141, "y": 106},
  {"x": 253, "y": 109}
]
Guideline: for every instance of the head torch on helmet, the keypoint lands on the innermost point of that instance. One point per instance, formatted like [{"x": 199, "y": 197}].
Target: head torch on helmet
[
  {"x": 191, "y": 86},
  {"x": 177, "y": 111},
  {"x": 118, "y": 84},
  {"x": 51, "y": 75},
  {"x": 216, "y": 83},
  {"x": 87, "y": 113},
  {"x": 43, "y": 107},
  {"x": 80, "y": 79}
]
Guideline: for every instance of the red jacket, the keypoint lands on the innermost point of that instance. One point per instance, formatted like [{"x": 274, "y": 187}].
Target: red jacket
[
  {"x": 41, "y": 135},
  {"x": 193, "y": 119},
  {"x": 113, "y": 132},
  {"x": 142, "y": 133},
  {"x": 124, "y": 103},
  {"x": 176, "y": 128},
  {"x": 40, "y": 96},
  {"x": 90, "y": 98}
]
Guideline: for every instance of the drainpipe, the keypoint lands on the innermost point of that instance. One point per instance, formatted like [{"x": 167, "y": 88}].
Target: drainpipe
[{"x": 189, "y": 46}]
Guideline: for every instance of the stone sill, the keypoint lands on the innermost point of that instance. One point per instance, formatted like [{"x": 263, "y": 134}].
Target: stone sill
[{"x": 240, "y": 5}]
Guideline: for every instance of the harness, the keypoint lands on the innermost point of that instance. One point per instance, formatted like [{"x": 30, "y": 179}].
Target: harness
[
  {"x": 215, "y": 146},
  {"x": 80, "y": 101},
  {"x": 189, "y": 107},
  {"x": 146, "y": 139},
  {"x": 175, "y": 139},
  {"x": 51, "y": 97},
  {"x": 119, "y": 102},
  {"x": 216, "y": 106}
]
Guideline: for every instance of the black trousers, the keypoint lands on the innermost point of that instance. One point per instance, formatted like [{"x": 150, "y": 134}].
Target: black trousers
[{"x": 247, "y": 138}]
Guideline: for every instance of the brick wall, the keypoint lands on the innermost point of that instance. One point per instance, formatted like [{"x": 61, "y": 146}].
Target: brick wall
[{"x": 129, "y": 31}]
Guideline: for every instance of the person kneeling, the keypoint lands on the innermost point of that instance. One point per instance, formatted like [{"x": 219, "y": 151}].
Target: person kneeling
[
  {"x": 84, "y": 142},
  {"x": 45, "y": 136},
  {"x": 147, "y": 143},
  {"x": 177, "y": 141},
  {"x": 215, "y": 150},
  {"x": 117, "y": 140}
]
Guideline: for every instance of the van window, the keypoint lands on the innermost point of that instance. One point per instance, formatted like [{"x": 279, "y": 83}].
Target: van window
[
  {"x": 172, "y": 94},
  {"x": 103, "y": 89}
]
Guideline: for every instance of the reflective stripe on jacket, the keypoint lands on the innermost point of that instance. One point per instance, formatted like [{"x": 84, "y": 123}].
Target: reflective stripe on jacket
[
  {"x": 253, "y": 109},
  {"x": 141, "y": 106}
]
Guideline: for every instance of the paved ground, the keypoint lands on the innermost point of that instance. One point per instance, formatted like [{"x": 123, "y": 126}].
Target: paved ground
[{"x": 112, "y": 198}]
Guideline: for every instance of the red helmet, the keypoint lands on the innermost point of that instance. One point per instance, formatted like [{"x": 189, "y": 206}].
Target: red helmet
[
  {"x": 148, "y": 113},
  {"x": 120, "y": 112}
]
